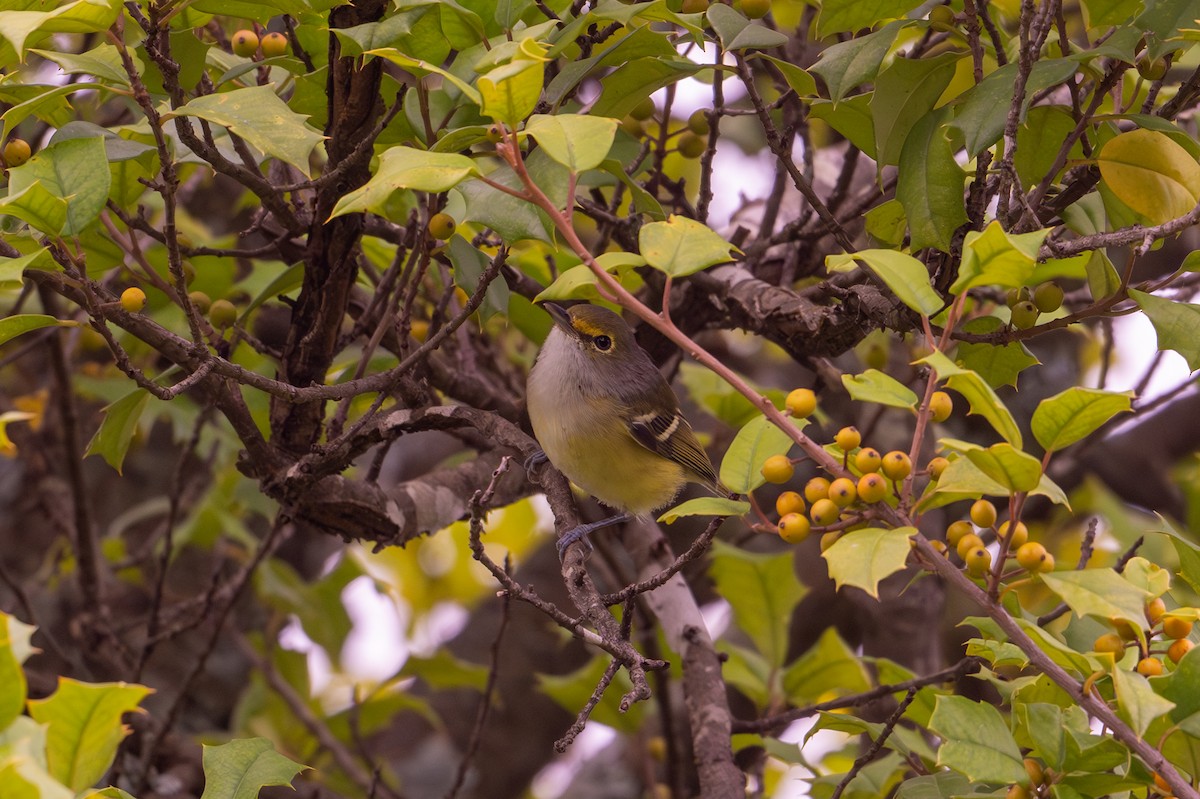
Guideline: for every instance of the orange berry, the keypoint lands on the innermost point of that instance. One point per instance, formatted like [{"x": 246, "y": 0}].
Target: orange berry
[
  {"x": 848, "y": 438},
  {"x": 1178, "y": 649},
  {"x": 789, "y": 502},
  {"x": 816, "y": 488},
  {"x": 778, "y": 469},
  {"x": 801, "y": 402},
  {"x": 957, "y": 530},
  {"x": 1150, "y": 667},
  {"x": 1176, "y": 627},
  {"x": 896, "y": 465},
  {"x": 868, "y": 460},
  {"x": 843, "y": 492},
  {"x": 133, "y": 299},
  {"x": 983, "y": 513},
  {"x": 872, "y": 488},
  {"x": 1030, "y": 555},
  {"x": 824, "y": 512},
  {"x": 794, "y": 528},
  {"x": 1109, "y": 642},
  {"x": 966, "y": 544},
  {"x": 940, "y": 406}
]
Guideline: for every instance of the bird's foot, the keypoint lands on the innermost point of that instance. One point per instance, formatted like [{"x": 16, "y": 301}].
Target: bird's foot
[{"x": 581, "y": 532}]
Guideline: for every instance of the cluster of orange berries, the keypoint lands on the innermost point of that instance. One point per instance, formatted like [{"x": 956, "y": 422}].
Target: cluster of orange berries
[
  {"x": 963, "y": 539},
  {"x": 1173, "y": 628},
  {"x": 826, "y": 502}
]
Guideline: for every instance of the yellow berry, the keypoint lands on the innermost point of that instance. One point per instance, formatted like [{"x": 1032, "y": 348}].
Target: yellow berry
[
  {"x": 1048, "y": 297},
  {"x": 801, "y": 402},
  {"x": 245, "y": 43},
  {"x": 441, "y": 226},
  {"x": 1109, "y": 642},
  {"x": 940, "y": 406},
  {"x": 936, "y": 467},
  {"x": 274, "y": 44},
  {"x": 983, "y": 513},
  {"x": 1150, "y": 667},
  {"x": 1152, "y": 68},
  {"x": 979, "y": 561},
  {"x": 133, "y": 299},
  {"x": 201, "y": 300},
  {"x": 1176, "y": 627},
  {"x": 633, "y": 127},
  {"x": 1030, "y": 555},
  {"x": 16, "y": 152},
  {"x": 794, "y": 528},
  {"x": 1024, "y": 315},
  {"x": 966, "y": 544},
  {"x": 691, "y": 145},
  {"x": 868, "y": 460},
  {"x": 1178, "y": 649},
  {"x": 789, "y": 502},
  {"x": 494, "y": 132},
  {"x": 824, "y": 512},
  {"x": 829, "y": 539},
  {"x": 939, "y": 547},
  {"x": 1016, "y": 790},
  {"x": 848, "y": 438},
  {"x": 1017, "y": 295},
  {"x": 816, "y": 488},
  {"x": 1047, "y": 563},
  {"x": 1034, "y": 770},
  {"x": 222, "y": 314},
  {"x": 698, "y": 122},
  {"x": 843, "y": 492},
  {"x": 756, "y": 9},
  {"x": 643, "y": 110},
  {"x": 896, "y": 465},
  {"x": 956, "y": 531},
  {"x": 1020, "y": 534},
  {"x": 1155, "y": 609},
  {"x": 942, "y": 15},
  {"x": 778, "y": 469},
  {"x": 871, "y": 488}
]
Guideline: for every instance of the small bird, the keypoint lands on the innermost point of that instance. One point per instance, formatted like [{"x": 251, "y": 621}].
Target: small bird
[{"x": 607, "y": 419}]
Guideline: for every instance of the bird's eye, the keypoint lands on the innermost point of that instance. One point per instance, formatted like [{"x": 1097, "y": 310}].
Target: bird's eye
[{"x": 603, "y": 343}]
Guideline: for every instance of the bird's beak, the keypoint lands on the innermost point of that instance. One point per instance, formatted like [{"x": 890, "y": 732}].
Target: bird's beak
[{"x": 561, "y": 318}]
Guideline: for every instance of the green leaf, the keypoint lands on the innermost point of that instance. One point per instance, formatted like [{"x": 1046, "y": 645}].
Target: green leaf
[
  {"x": 469, "y": 265},
  {"x": 880, "y": 388},
  {"x": 84, "y": 727},
  {"x": 1151, "y": 173},
  {"x": 629, "y": 84},
  {"x": 930, "y": 184},
  {"x": 851, "y": 118},
  {"x": 863, "y": 558},
  {"x": 241, "y": 768},
  {"x": 406, "y": 168},
  {"x": 1175, "y": 323},
  {"x": 994, "y": 257},
  {"x": 74, "y": 173},
  {"x": 762, "y": 591},
  {"x": 759, "y": 439},
  {"x": 738, "y": 33},
  {"x": 1043, "y": 724},
  {"x": 1014, "y": 470},
  {"x": 1101, "y": 593},
  {"x": 798, "y": 80},
  {"x": 904, "y": 93},
  {"x": 580, "y": 282},
  {"x": 102, "y": 62},
  {"x": 976, "y": 741},
  {"x": 82, "y": 16},
  {"x": 851, "y": 63},
  {"x": 682, "y": 246},
  {"x": 14, "y": 649},
  {"x": 904, "y": 275},
  {"x": 1189, "y": 561},
  {"x": 420, "y": 67},
  {"x": 705, "y": 506},
  {"x": 575, "y": 141},
  {"x": 828, "y": 667},
  {"x": 848, "y": 16},
  {"x": 256, "y": 114},
  {"x": 1137, "y": 704},
  {"x": 13, "y": 326},
  {"x": 998, "y": 365},
  {"x": 643, "y": 201},
  {"x": 1038, "y": 141},
  {"x": 939, "y": 785},
  {"x": 116, "y": 430},
  {"x": 983, "y": 110},
  {"x": 1080, "y": 664},
  {"x": 979, "y": 396},
  {"x": 510, "y": 92},
  {"x": 1074, "y": 414}
]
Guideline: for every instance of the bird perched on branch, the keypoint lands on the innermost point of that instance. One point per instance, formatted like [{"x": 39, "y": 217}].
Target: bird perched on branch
[{"x": 607, "y": 419}]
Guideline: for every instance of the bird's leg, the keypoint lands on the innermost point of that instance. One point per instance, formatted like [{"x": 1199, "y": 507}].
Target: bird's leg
[
  {"x": 534, "y": 461},
  {"x": 580, "y": 533}
]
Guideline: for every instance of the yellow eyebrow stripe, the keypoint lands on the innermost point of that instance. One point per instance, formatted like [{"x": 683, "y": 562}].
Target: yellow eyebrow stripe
[{"x": 586, "y": 328}]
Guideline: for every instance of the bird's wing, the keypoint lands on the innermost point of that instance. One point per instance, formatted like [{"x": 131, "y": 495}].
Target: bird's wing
[{"x": 670, "y": 435}]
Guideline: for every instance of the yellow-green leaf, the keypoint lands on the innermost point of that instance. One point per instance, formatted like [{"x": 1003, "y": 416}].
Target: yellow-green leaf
[
  {"x": 904, "y": 275},
  {"x": 241, "y": 768},
  {"x": 982, "y": 399},
  {"x": 1076, "y": 413},
  {"x": 996, "y": 258},
  {"x": 577, "y": 142},
  {"x": 116, "y": 430},
  {"x": 258, "y": 115},
  {"x": 84, "y": 727},
  {"x": 1175, "y": 323},
  {"x": 863, "y": 558},
  {"x": 759, "y": 439},
  {"x": 880, "y": 388},
  {"x": 1011, "y": 468},
  {"x": 1151, "y": 173},
  {"x": 682, "y": 246},
  {"x": 406, "y": 168},
  {"x": 705, "y": 506}
]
